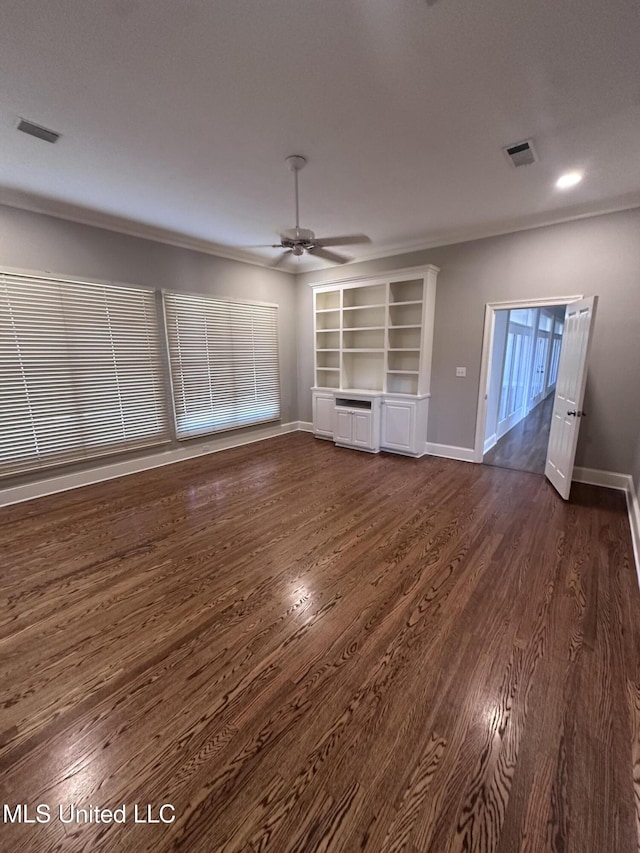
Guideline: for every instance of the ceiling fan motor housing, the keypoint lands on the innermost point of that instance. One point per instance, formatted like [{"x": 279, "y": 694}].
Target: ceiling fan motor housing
[{"x": 298, "y": 235}]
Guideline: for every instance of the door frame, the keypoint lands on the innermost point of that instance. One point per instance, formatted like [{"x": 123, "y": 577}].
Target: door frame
[{"x": 487, "y": 352}]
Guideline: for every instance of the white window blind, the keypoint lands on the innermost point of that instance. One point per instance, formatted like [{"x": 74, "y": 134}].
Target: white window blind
[
  {"x": 80, "y": 371},
  {"x": 224, "y": 363}
]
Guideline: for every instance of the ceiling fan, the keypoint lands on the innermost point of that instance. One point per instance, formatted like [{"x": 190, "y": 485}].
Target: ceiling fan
[{"x": 296, "y": 241}]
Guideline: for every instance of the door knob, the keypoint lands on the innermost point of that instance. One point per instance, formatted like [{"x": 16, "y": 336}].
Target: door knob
[{"x": 576, "y": 413}]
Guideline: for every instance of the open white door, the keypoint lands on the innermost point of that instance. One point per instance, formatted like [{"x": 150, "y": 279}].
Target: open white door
[{"x": 567, "y": 406}]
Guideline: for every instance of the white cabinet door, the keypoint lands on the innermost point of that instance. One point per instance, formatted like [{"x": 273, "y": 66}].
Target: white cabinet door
[
  {"x": 399, "y": 426},
  {"x": 343, "y": 430},
  {"x": 361, "y": 430},
  {"x": 357, "y": 422},
  {"x": 323, "y": 408}
]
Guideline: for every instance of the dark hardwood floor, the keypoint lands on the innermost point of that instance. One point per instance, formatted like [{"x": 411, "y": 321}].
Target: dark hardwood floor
[
  {"x": 302, "y": 648},
  {"x": 524, "y": 448}
]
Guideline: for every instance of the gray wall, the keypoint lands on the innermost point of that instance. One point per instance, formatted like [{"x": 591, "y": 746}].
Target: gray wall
[
  {"x": 599, "y": 255},
  {"x": 34, "y": 241}
]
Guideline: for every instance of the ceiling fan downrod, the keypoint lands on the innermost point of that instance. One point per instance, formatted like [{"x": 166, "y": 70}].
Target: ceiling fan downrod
[
  {"x": 298, "y": 241},
  {"x": 295, "y": 162}
]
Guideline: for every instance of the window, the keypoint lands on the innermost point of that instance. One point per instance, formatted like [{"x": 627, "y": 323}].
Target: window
[
  {"x": 514, "y": 374},
  {"x": 224, "y": 363},
  {"x": 523, "y": 316},
  {"x": 541, "y": 357},
  {"x": 516, "y": 362},
  {"x": 545, "y": 323},
  {"x": 80, "y": 371}
]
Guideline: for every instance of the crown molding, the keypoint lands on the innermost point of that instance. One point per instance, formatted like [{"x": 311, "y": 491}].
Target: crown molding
[
  {"x": 121, "y": 225},
  {"x": 109, "y": 222},
  {"x": 630, "y": 201}
]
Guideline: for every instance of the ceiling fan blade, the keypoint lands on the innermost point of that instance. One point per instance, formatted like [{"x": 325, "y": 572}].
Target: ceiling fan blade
[
  {"x": 319, "y": 252},
  {"x": 280, "y": 258},
  {"x": 348, "y": 240},
  {"x": 262, "y": 246}
]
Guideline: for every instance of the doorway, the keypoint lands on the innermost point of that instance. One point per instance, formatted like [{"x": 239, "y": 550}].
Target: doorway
[
  {"x": 521, "y": 355},
  {"x": 525, "y": 358}
]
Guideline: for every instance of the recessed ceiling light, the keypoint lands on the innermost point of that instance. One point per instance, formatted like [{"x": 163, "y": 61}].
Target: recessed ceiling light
[{"x": 569, "y": 179}]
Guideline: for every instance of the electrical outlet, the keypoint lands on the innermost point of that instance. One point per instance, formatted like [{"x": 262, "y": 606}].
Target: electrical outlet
[{"x": 461, "y": 371}]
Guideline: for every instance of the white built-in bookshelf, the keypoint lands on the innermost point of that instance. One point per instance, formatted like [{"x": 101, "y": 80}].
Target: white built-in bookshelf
[{"x": 374, "y": 337}]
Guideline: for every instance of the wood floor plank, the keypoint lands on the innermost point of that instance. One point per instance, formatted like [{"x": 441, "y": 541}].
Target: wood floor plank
[
  {"x": 524, "y": 447},
  {"x": 303, "y": 648}
]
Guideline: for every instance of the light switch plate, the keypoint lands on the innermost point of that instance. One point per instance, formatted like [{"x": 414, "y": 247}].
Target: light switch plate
[{"x": 461, "y": 371}]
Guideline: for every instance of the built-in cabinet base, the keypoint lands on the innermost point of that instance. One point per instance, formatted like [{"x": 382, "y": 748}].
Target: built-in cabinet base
[
  {"x": 371, "y": 421},
  {"x": 404, "y": 425},
  {"x": 357, "y": 421},
  {"x": 323, "y": 403}
]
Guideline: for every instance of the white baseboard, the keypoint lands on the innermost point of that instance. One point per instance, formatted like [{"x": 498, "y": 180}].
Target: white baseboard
[
  {"x": 633, "y": 505},
  {"x": 448, "y": 451},
  {"x": 624, "y": 483},
  {"x": 305, "y": 426},
  {"x": 210, "y": 444},
  {"x": 489, "y": 443},
  {"x": 607, "y": 479}
]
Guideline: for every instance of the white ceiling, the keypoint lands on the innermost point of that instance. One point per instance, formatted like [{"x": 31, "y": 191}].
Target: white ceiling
[{"x": 176, "y": 117}]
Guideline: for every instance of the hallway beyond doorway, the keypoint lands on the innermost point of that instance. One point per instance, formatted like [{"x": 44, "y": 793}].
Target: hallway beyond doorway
[{"x": 524, "y": 447}]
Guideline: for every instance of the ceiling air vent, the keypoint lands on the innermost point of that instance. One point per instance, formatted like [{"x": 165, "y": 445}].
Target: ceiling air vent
[
  {"x": 38, "y": 131},
  {"x": 521, "y": 154}
]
